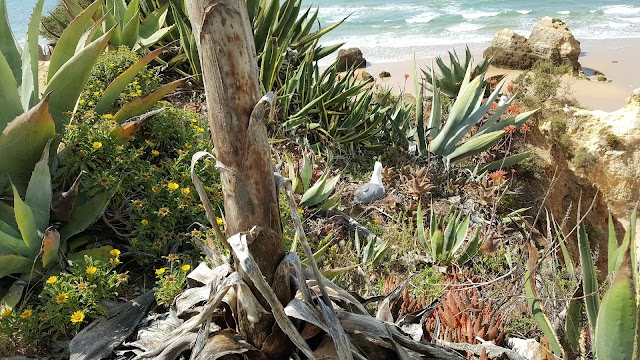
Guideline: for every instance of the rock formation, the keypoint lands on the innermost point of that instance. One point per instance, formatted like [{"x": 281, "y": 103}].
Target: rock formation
[
  {"x": 614, "y": 139},
  {"x": 350, "y": 58},
  {"x": 549, "y": 40}
]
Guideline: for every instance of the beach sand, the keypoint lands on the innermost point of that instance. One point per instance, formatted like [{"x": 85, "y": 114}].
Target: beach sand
[{"x": 617, "y": 59}]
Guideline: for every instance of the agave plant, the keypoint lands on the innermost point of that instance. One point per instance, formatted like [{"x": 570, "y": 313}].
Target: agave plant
[
  {"x": 27, "y": 116},
  {"x": 125, "y": 18},
  {"x": 451, "y": 77},
  {"x": 316, "y": 194},
  {"x": 613, "y": 316},
  {"x": 451, "y": 138},
  {"x": 445, "y": 237},
  {"x": 28, "y": 244}
]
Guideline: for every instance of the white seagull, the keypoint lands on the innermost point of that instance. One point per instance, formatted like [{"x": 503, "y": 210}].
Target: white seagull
[
  {"x": 503, "y": 100},
  {"x": 373, "y": 190}
]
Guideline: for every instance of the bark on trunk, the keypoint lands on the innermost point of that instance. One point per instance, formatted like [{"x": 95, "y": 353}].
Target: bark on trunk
[{"x": 230, "y": 74}]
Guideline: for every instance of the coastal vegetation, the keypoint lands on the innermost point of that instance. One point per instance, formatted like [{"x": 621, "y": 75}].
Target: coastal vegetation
[{"x": 146, "y": 165}]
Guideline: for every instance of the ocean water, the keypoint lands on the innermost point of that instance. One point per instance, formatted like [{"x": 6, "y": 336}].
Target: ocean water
[
  {"x": 19, "y": 12},
  {"x": 388, "y": 30}
]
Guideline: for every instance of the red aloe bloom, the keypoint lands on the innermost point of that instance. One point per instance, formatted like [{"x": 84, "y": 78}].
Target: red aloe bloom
[
  {"x": 514, "y": 109},
  {"x": 498, "y": 176},
  {"x": 510, "y": 129},
  {"x": 525, "y": 129},
  {"x": 510, "y": 88},
  {"x": 406, "y": 76}
]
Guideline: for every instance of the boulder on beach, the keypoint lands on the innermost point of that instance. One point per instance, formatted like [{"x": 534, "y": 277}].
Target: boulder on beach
[
  {"x": 350, "y": 58},
  {"x": 550, "y": 40},
  {"x": 385, "y": 74}
]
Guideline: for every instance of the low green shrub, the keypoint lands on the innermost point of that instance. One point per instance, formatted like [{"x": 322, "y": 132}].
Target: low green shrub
[
  {"x": 67, "y": 302},
  {"x": 584, "y": 160},
  {"x": 612, "y": 140}
]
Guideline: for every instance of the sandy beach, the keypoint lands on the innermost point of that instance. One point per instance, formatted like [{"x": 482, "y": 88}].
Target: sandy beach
[{"x": 616, "y": 59}]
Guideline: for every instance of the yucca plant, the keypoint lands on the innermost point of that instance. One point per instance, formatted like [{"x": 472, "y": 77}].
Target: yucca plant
[
  {"x": 451, "y": 77},
  {"x": 445, "y": 236},
  {"x": 613, "y": 316},
  {"x": 451, "y": 138}
]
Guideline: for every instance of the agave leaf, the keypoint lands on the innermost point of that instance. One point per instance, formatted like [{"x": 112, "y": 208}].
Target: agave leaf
[
  {"x": 8, "y": 217},
  {"x": 589, "y": 277},
  {"x": 126, "y": 131},
  {"x": 517, "y": 121},
  {"x": 437, "y": 245},
  {"x": 435, "y": 117},
  {"x": 66, "y": 45},
  {"x": 325, "y": 51},
  {"x": 10, "y": 229},
  {"x": 612, "y": 248},
  {"x": 310, "y": 196},
  {"x": 332, "y": 273},
  {"x": 318, "y": 34},
  {"x": 615, "y": 329},
  {"x": 9, "y": 46},
  {"x": 29, "y": 91},
  {"x": 471, "y": 250},
  {"x": 265, "y": 25},
  {"x": 9, "y": 98},
  {"x": 449, "y": 234},
  {"x": 11, "y": 264},
  {"x": 24, "y": 138},
  {"x": 38, "y": 196},
  {"x": 13, "y": 296},
  {"x": 50, "y": 246},
  {"x": 86, "y": 214},
  {"x": 287, "y": 18},
  {"x": 536, "y": 306},
  {"x": 26, "y": 223},
  {"x": 131, "y": 24},
  {"x": 461, "y": 233},
  {"x": 572, "y": 325},
  {"x": 67, "y": 84},
  {"x": 90, "y": 34},
  {"x": 330, "y": 203},
  {"x": 504, "y": 162},
  {"x": 142, "y": 104},
  {"x": 154, "y": 21},
  {"x": 12, "y": 244},
  {"x": 475, "y": 145}
]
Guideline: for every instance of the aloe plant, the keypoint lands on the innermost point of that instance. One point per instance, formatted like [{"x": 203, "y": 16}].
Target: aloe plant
[
  {"x": 445, "y": 236},
  {"x": 450, "y": 138}
]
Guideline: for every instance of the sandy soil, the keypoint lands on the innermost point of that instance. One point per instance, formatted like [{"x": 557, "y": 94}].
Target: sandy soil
[{"x": 616, "y": 59}]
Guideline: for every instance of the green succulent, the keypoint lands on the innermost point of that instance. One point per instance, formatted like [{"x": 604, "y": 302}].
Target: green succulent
[
  {"x": 316, "y": 194},
  {"x": 451, "y": 77},
  {"x": 445, "y": 236}
]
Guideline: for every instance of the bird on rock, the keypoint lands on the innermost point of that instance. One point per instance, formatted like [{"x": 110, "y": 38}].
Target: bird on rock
[{"x": 373, "y": 190}]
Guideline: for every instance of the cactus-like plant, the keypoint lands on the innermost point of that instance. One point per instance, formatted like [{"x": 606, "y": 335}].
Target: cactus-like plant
[{"x": 317, "y": 194}]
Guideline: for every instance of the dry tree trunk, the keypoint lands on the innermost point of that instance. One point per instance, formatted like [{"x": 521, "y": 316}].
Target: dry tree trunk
[{"x": 230, "y": 74}]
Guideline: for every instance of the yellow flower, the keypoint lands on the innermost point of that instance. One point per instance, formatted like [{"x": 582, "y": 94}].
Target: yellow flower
[
  {"x": 173, "y": 186},
  {"x": 200, "y": 130},
  {"x": 114, "y": 261},
  {"x": 194, "y": 121},
  {"x": 123, "y": 277},
  {"x": 163, "y": 211},
  {"x": 52, "y": 280},
  {"x": 112, "y": 64},
  {"x": 186, "y": 190},
  {"x": 155, "y": 152},
  {"x": 150, "y": 143},
  {"x": 91, "y": 270},
  {"x": 188, "y": 146},
  {"x": 114, "y": 252},
  {"x": 27, "y": 313},
  {"x": 77, "y": 317},
  {"x": 71, "y": 127},
  {"x": 185, "y": 267},
  {"x": 81, "y": 101},
  {"x": 160, "y": 271},
  {"x": 62, "y": 297},
  {"x": 155, "y": 188},
  {"x": 300, "y": 211},
  {"x": 90, "y": 103},
  {"x": 144, "y": 222},
  {"x": 220, "y": 221},
  {"x": 97, "y": 145},
  {"x": 6, "y": 312}
]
